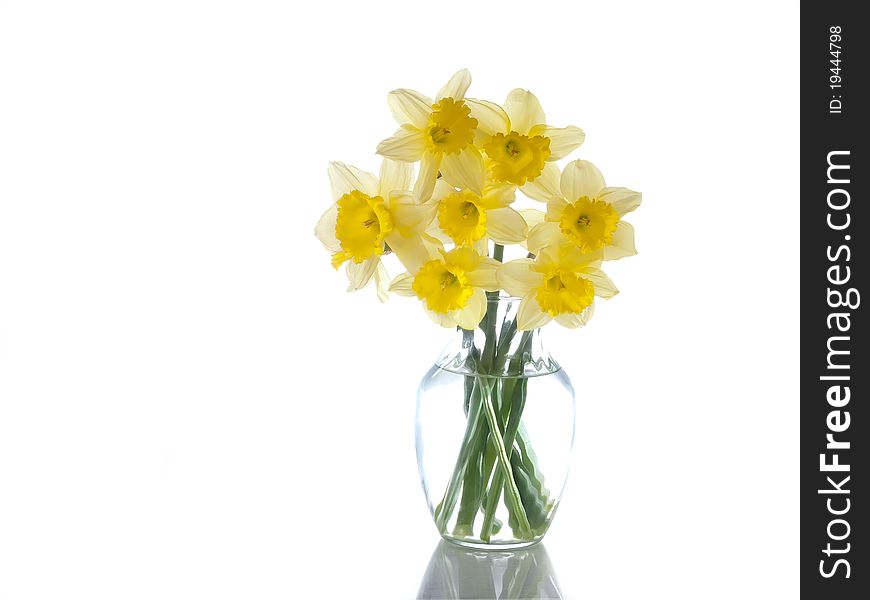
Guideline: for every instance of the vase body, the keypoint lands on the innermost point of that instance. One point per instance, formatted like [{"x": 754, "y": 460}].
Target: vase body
[{"x": 494, "y": 432}]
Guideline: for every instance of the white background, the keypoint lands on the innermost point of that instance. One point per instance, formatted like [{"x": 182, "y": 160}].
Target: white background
[{"x": 191, "y": 406}]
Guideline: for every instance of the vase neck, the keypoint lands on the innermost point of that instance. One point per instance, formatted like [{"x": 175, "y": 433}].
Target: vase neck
[{"x": 497, "y": 348}]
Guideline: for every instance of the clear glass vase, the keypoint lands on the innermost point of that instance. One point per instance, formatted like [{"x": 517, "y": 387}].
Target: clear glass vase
[{"x": 495, "y": 428}]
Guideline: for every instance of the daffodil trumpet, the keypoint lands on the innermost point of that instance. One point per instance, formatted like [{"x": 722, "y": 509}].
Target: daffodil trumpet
[{"x": 445, "y": 204}]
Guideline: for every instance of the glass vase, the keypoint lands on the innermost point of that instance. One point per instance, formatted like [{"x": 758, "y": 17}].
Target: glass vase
[{"x": 494, "y": 432}]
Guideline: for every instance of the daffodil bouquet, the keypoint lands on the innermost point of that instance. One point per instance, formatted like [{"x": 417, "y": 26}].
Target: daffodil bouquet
[{"x": 449, "y": 225}]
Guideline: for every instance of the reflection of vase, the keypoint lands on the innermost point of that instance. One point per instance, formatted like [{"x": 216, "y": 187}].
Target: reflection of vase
[
  {"x": 495, "y": 426},
  {"x": 455, "y": 573}
]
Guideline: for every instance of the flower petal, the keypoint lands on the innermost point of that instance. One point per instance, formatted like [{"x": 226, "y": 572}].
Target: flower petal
[
  {"x": 443, "y": 319},
  {"x": 410, "y": 107},
  {"x": 343, "y": 179},
  {"x": 543, "y": 235},
  {"x": 604, "y": 287},
  {"x": 563, "y": 140},
  {"x": 485, "y": 275},
  {"x": 401, "y": 285},
  {"x": 498, "y": 195},
  {"x": 555, "y": 207},
  {"x": 429, "y": 164},
  {"x": 408, "y": 144},
  {"x": 471, "y": 314},
  {"x": 457, "y": 86},
  {"x": 410, "y": 218},
  {"x": 382, "y": 280},
  {"x": 622, "y": 244},
  {"x": 396, "y": 176},
  {"x": 491, "y": 118},
  {"x": 532, "y": 216},
  {"x": 530, "y": 315},
  {"x": 359, "y": 274},
  {"x": 442, "y": 190},
  {"x": 581, "y": 178},
  {"x": 413, "y": 252},
  {"x": 325, "y": 229},
  {"x": 506, "y": 226},
  {"x": 544, "y": 187},
  {"x": 573, "y": 320},
  {"x": 523, "y": 110},
  {"x": 623, "y": 200},
  {"x": 517, "y": 278},
  {"x": 464, "y": 169}
]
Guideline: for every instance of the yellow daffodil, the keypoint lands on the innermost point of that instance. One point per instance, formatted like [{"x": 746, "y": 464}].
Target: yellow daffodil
[
  {"x": 560, "y": 283},
  {"x": 450, "y": 284},
  {"x": 523, "y": 142},
  {"x": 476, "y": 211},
  {"x": 370, "y": 216},
  {"x": 582, "y": 210},
  {"x": 440, "y": 133}
]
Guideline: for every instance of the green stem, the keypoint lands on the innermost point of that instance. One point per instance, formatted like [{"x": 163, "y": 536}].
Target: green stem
[
  {"x": 473, "y": 425},
  {"x": 530, "y": 463},
  {"x": 517, "y": 397},
  {"x": 512, "y": 494},
  {"x": 510, "y": 433}
]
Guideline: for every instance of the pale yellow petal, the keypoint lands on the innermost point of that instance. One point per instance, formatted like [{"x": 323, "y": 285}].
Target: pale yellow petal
[
  {"x": 408, "y": 145},
  {"x": 543, "y": 235},
  {"x": 604, "y": 287},
  {"x": 410, "y": 107},
  {"x": 623, "y": 200},
  {"x": 485, "y": 276},
  {"x": 581, "y": 178},
  {"x": 574, "y": 320},
  {"x": 498, "y": 195},
  {"x": 471, "y": 314},
  {"x": 382, "y": 281},
  {"x": 517, "y": 278},
  {"x": 523, "y": 110},
  {"x": 566, "y": 256},
  {"x": 429, "y": 164},
  {"x": 443, "y": 319},
  {"x": 532, "y": 216},
  {"x": 434, "y": 230},
  {"x": 343, "y": 179},
  {"x": 442, "y": 190},
  {"x": 359, "y": 274},
  {"x": 410, "y": 218},
  {"x": 457, "y": 86},
  {"x": 413, "y": 252},
  {"x": 555, "y": 207},
  {"x": 622, "y": 244},
  {"x": 569, "y": 257},
  {"x": 396, "y": 176},
  {"x": 401, "y": 285},
  {"x": 325, "y": 229},
  {"x": 544, "y": 187},
  {"x": 464, "y": 169},
  {"x": 563, "y": 140},
  {"x": 491, "y": 118},
  {"x": 530, "y": 316},
  {"x": 506, "y": 226}
]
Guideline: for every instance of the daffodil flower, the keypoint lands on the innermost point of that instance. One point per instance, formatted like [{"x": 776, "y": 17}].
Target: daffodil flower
[
  {"x": 560, "y": 283},
  {"x": 370, "y": 216},
  {"x": 523, "y": 142},
  {"x": 439, "y": 134},
  {"x": 450, "y": 284},
  {"x": 581, "y": 209},
  {"x": 477, "y": 211}
]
